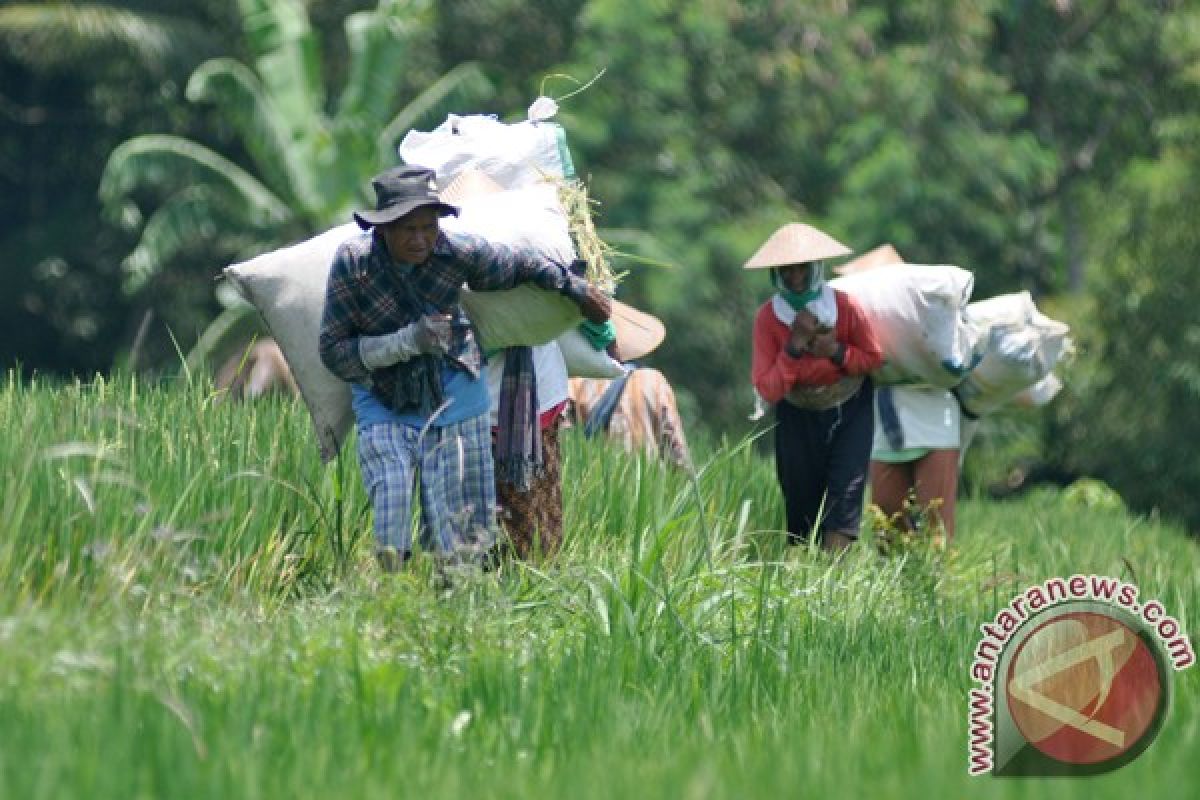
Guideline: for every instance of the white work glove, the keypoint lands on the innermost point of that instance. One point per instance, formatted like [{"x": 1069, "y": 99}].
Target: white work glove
[{"x": 429, "y": 335}]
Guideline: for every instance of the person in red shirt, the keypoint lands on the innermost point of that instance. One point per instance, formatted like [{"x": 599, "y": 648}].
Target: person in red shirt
[{"x": 813, "y": 350}]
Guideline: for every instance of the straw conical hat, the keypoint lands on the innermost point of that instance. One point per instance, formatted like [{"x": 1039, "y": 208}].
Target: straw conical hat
[
  {"x": 469, "y": 184},
  {"x": 637, "y": 332},
  {"x": 796, "y": 243},
  {"x": 879, "y": 257}
]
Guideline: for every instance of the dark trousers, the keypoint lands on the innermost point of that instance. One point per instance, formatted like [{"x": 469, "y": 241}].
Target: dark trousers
[{"x": 821, "y": 462}]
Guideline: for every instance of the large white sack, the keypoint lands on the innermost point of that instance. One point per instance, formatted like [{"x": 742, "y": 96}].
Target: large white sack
[
  {"x": 1022, "y": 347},
  {"x": 585, "y": 361},
  {"x": 1056, "y": 338},
  {"x": 526, "y": 315},
  {"x": 1040, "y": 394},
  {"x": 917, "y": 312},
  {"x": 1017, "y": 308},
  {"x": 287, "y": 286},
  {"x": 1012, "y": 361},
  {"x": 514, "y": 155},
  {"x": 529, "y": 217}
]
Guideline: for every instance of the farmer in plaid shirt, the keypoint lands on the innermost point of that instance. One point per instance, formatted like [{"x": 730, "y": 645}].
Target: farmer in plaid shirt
[{"x": 393, "y": 328}]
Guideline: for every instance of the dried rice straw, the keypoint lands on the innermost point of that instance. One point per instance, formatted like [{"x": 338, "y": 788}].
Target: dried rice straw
[{"x": 573, "y": 195}]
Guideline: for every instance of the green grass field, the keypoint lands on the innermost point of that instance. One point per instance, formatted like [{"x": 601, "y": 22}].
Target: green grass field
[{"x": 188, "y": 608}]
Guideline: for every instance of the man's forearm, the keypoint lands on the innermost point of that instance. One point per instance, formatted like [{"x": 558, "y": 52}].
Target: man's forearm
[{"x": 340, "y": 356}]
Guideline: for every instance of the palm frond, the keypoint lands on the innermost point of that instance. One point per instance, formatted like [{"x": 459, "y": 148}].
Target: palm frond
[
  {"x": 283, "y": 162},
  {"x": 378, "y": 52},
  {"x": 59, "y": 35},
  {"x": 167, "y": 164},
  {"x": 286, "y": 59},
  {"x": 198, "y": 218},
  {"x": 464, "y": 86}
]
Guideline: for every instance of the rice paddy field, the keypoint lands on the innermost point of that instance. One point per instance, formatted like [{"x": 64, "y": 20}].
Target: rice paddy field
[{"x": 189, "y": 609}]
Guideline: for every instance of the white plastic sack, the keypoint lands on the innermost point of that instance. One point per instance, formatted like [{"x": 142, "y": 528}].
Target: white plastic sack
[
  {"x": 1012, "y": 361},
  {"x": 525, "y": 315},
  {"x": 585, "y": 361},
  {"x": 1040, "y": 394},
  {"x": 287, "y": 286},
  {"x": 917, "y": 312},
  {"x": 1019, "y": 309},
  {"x": 530, "y": 217},
  {"x": 1056, "y": 338},
  {"x": 514, "y": 155},
  {"x": 1022, "y": 347},
  {"x": 1005, "y": 309}
]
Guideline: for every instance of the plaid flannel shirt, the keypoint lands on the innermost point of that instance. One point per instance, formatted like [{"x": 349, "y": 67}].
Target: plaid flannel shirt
[{"x": 369, "y": 294}]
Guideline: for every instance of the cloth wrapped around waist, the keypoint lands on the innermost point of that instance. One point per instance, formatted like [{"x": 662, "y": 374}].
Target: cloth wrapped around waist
[{"x": 820, "y": 398}]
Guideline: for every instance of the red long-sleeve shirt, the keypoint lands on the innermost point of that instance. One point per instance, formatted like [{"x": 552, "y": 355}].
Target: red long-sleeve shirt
[{"x": 774, "y": 372}]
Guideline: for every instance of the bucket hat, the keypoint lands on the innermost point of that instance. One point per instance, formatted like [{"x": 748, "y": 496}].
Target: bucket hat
[{"x": 400, "y": 191}]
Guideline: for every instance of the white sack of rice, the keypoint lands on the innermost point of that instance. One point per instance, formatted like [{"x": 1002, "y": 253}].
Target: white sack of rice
[
  {"x": 1019, "y": 309},
  {"x": 917, "y": 312},
  {"x": 530, "y": 217},
  {"x": 1022, "y": 347},
  {"x": 287, "y": 286},
  {"x": 585, "y": 361},
  {"x": 1040, "y": 394},
  {"x": 513, "y": 155},
  {"x": 1016, "y": 308}
]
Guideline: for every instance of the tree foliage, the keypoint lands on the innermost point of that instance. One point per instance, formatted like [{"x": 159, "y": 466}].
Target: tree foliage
[
  {"x": 60, "y": 36},
  {"x": 1131, "y": 421},
  {"x": 75, "y": 80},
  {"x": 302, "y": 160},
  {"x": 310, "y": 158}
]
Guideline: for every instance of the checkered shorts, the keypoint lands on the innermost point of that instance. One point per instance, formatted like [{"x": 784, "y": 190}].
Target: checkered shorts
[{"x": 458, "y": 490}]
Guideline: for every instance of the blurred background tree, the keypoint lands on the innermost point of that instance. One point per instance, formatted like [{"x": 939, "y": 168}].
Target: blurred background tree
[
  {"x": 76, "y": 79},
  {"x": 1127, "y": 417},
  {"x": 308, "y": 159}
]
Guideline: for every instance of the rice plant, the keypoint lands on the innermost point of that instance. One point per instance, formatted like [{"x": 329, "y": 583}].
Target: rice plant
[{"x": 189, "y": 609}]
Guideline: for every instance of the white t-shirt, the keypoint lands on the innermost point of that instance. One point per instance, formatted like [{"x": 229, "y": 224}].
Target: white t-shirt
[
  {"x": 549, "y": 369},
  {"x": 928, "y": 417}
]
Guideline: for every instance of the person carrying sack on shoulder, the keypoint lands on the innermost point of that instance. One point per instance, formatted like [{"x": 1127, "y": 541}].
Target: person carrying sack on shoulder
[
  {"x": 394, "y": 329},
  {"x": 916, "y": 453},
  {"x": 813, "y": 349}
]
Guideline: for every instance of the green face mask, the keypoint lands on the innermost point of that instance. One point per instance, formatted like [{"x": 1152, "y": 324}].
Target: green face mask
[{"x": 798, "y": 300}]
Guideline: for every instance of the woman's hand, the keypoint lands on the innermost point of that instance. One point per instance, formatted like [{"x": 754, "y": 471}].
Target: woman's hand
[
  {"x": 824, "y": 344},
  {"x": 800, "y": 338}
]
